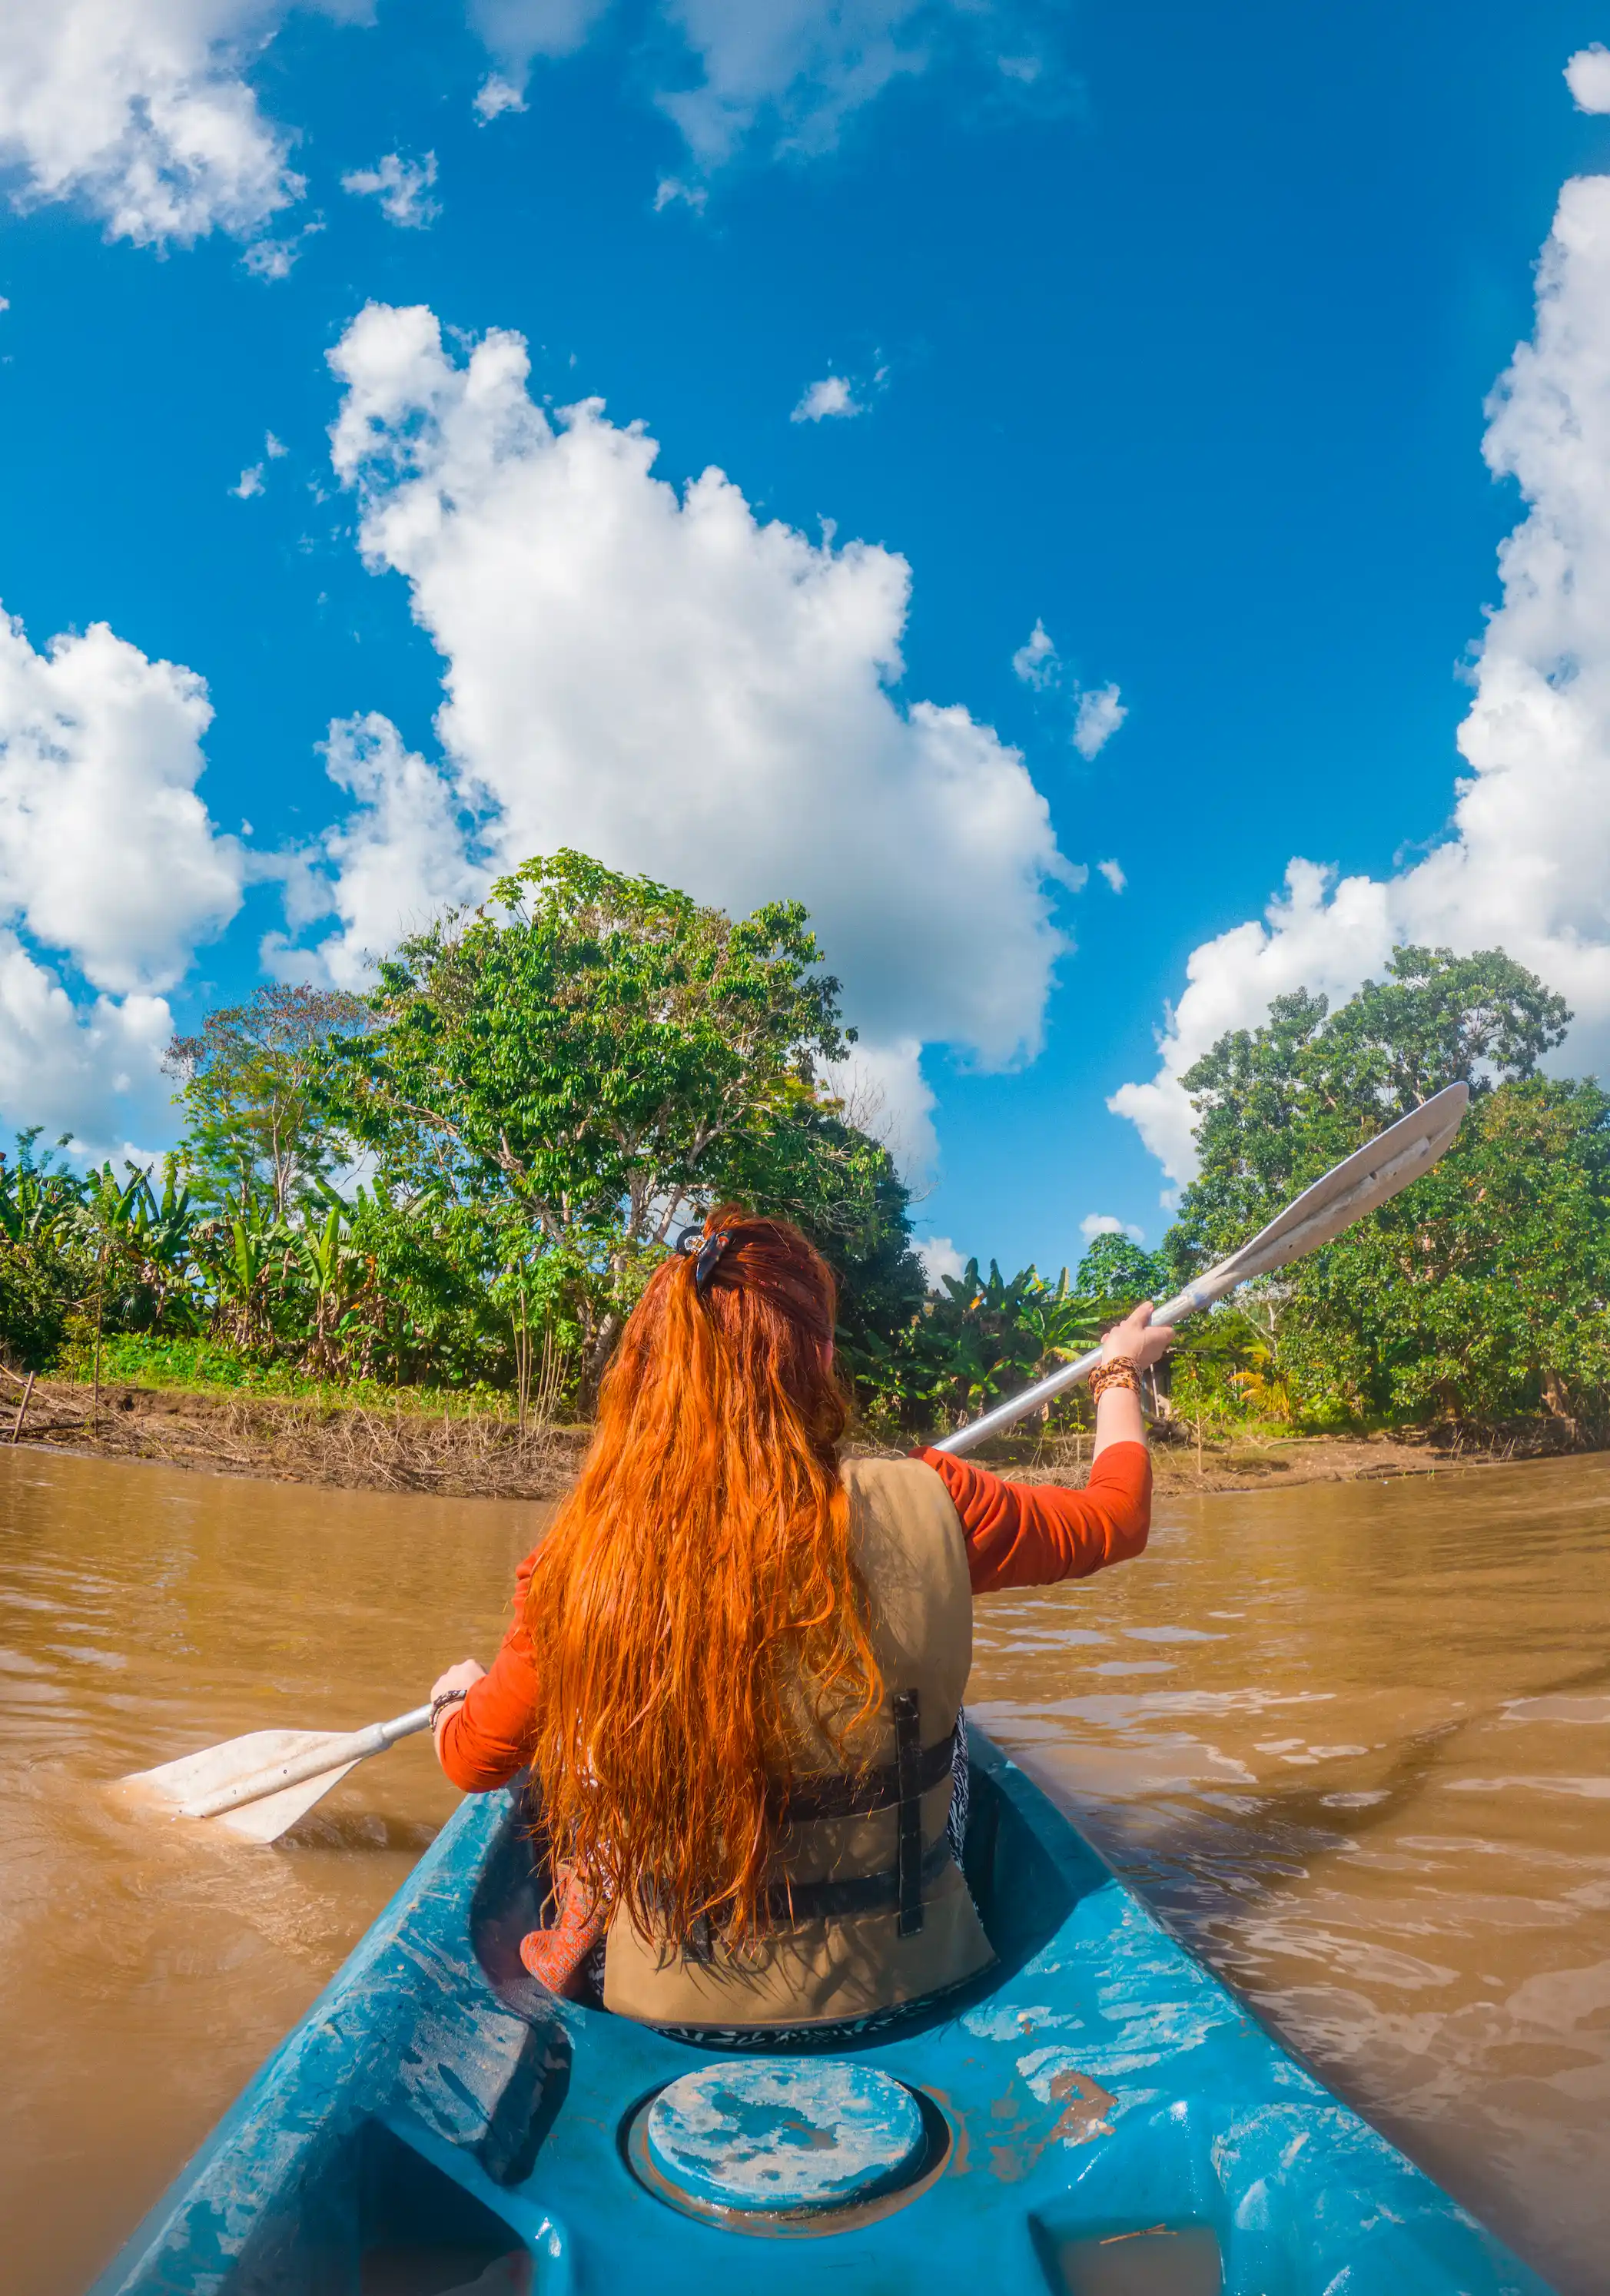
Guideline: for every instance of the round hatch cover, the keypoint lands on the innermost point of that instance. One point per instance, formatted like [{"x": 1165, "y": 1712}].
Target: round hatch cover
[{"x": 780, "y": 2132}]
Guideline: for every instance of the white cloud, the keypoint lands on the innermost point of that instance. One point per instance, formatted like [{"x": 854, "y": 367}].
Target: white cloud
[
  {"x": 658, "y": 677},
  {"x": 1113, "y": 873},
  {"x": 832, "y": 396},
  {"x": 516, "y": 32},
  {"x": 671, "y": 191},
  {"x": 1037, "y": 661},
  {"x": 106, "y": 851},
  {"x": 1098, "y": 717},
  {"x": 108, "y": 859},
  {"x": 940, "y": 1259},
  {"x": 92, "y": 1070},
  {"x": 495, "y": 96},
  {"x": 1094, "y": 1223},
  {"x": 1097, "y": 711},
  {"x": 787, "y": 74},
  {"x": 402, "y": 186},
  {"x": 138, "y": 110},
  {"x": 396, "y": 860},
  {"x": 1588, "y": 76},
  {"x": 276, "y": 259},
  {"x": 252, "y": 479},
  {"x": 1527, "y": 866}
]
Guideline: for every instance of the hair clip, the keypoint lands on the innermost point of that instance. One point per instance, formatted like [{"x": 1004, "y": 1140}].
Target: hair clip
[{"x": 704, "y": 1266}]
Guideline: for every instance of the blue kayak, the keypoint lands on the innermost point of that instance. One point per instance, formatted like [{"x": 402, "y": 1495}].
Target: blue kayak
[{"x": 1095, "y": 2116}]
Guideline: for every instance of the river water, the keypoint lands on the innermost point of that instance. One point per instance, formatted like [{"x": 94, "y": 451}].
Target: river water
[{"x": 1353, "y": 1741}]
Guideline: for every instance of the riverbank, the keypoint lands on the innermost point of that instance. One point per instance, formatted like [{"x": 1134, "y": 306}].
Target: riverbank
[
  {"x": 474, "y": 1453},
  {"x": 466, "y": 1454}
]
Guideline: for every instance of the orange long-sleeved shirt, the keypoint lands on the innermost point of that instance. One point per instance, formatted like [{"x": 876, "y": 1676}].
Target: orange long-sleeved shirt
[{"x": 1017, "y": 1535}]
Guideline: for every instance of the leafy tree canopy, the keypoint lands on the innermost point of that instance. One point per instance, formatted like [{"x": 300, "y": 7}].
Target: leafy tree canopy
[
  {"x": 259, "y": 1137},
  {"x": 1277, "y": 1106}
]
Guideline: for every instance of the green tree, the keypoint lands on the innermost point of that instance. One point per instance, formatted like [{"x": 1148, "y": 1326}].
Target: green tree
[
  {"x": 1119, "y": 1274},
  {"x": 1480, "y": 1293},
  {"x": 589, "y": 1057},
  {"x": 1277, "y": 1106},
  {"x": 1476, "y": 1294},
  {"x": 259, "y": 1137}
]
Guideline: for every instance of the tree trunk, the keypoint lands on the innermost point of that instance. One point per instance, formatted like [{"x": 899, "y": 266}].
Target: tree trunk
[{"x": 594, "y": 1362}]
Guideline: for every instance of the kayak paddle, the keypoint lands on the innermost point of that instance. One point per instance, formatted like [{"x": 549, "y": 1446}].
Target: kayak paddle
[
  {"x": 1370, "y": 1176},
  {"x": 258, "y": 1785}
]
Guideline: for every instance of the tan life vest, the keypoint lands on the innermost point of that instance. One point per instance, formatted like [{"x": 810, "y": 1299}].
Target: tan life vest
[{"x": 908, "y": 1542}]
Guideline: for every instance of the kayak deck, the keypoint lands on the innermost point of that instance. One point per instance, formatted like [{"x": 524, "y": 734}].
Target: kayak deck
[{"x": 1104, "y": 2119}]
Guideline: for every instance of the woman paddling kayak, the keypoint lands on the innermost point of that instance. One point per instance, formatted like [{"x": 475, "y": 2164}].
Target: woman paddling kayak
[{"x": 736, "y": 1665}]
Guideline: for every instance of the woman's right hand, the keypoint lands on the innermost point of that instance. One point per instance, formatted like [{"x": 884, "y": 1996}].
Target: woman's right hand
[{"x": 1138, "y": 1338}]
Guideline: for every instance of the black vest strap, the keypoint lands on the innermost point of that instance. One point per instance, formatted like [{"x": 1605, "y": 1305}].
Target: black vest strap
[
  {"x": 907, "y": 1763},
  {"x": 860, "y": 1893},
  {"x": 856, "y": 1793}
]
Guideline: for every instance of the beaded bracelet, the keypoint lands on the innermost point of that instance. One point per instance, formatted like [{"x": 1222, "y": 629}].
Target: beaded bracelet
[
  {"x": 1118, "y": 1371},
  {"x": 438, "y": 1705}
]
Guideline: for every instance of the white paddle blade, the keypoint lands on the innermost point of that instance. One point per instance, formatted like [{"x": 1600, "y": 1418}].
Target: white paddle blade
[
  {"x": 194, "y": 1777},
  {"x": 1365, "y": 1180},
  {"x": 1360, "y": 1184},
  {"x": 260, "y": 1785},
  {"x": 266, "y": 1819},
  {"x": 177, "y": 1788}
]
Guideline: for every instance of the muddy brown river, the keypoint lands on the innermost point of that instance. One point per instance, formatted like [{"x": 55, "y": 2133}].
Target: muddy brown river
[{"x": 1352, "y": 1741}]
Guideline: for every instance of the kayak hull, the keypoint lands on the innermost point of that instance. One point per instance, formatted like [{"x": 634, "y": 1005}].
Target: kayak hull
[{"x": 1107, "y": 2121}]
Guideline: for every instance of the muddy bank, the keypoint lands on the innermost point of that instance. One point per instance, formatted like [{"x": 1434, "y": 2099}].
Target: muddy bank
[
  {"x": 350, "y": 1446},
  {"x": 347, "y": 1446}
]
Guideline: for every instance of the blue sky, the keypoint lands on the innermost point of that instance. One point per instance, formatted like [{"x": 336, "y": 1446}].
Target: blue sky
[{"x": 1170, "y": 330}]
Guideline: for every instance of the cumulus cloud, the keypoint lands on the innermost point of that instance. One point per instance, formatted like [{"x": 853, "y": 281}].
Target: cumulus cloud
[
  {"x": 1527, "y": 863},
  {"x": 90, "y": 1070},
  {"x": 832, "y": 396},
  {"x": 1113, "y": 873},
  {"x": 400, "y": 856},
  {"x": 106, "y": 852},
  {"x": 1094, "y": 1223},
  {"x": 139, "y": 110},
  {"x": 1097, "y": 717},
  {"x": 108, "y": 861},
  {"x": 657, "y": 677},
  {"x": 402, "y": 186},
  {"x": 1588, "y": 76}
]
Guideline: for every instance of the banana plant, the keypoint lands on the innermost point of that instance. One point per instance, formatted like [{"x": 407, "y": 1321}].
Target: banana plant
[
  {"x": 1063, "y": 1322},
  {"x": 327, "y": 1261}
]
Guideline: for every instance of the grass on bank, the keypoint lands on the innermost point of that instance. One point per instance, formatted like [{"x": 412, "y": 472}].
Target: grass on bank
[{"x": 209, "y": 1368}]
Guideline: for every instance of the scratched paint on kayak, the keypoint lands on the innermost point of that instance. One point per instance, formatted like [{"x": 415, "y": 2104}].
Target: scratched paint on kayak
[
  {"x": 790, "y": 2134},
  {"x": 1097, "y": 2085}
]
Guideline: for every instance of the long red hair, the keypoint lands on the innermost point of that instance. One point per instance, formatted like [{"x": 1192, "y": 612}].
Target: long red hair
[{"x": 695, "y": 1580}]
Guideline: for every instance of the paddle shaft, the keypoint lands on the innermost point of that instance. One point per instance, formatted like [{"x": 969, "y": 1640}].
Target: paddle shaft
[
  {"x": 335, "y": 1754},
  {"x": 1362, "y": 1182},
  {"x": 1058, "y": 1383}
]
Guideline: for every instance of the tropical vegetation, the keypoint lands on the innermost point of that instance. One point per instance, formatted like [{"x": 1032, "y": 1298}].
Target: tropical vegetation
[{"x": 457, "y": 1184}]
